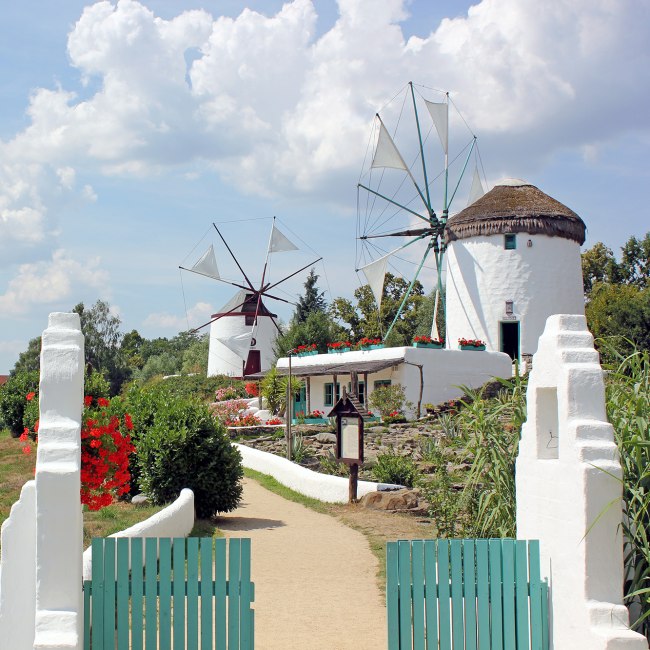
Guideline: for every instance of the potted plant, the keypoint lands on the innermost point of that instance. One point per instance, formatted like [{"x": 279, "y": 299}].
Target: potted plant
[
  {"x": 338, "y": 346},
  {"x": 306, "y": 350},
  {"x": 424, "y": 341},
  {"x": 471, "y": 344},
  {"x": 369, "y": 344}
]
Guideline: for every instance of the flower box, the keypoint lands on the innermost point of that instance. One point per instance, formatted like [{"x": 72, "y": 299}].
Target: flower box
[
  {"x": 337, "y": 350},
  {"x": 309, "y": 421},
  {"x": 376, "y": 346},
  {"x": 309, "y": 353},
  {"x": 434, "y": 346},
  {"x": 472, "y": 347}
]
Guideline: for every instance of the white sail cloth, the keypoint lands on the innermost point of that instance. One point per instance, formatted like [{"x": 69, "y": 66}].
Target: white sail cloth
[
  {"x": 280, "y": 243},
  {"x": 240, "y": 344},
  {"x": 375, "y": 273},
  {"x": 207, "y": 264}
]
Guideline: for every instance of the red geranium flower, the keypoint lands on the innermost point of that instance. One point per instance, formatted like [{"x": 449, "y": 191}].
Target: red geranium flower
[
  {"x": 88, "y": 400},
  {"x": 102, "y": 401},
  {"x": 30, "y": 396}
]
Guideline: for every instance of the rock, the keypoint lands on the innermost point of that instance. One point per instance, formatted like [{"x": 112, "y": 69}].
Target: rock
[
  {"x": 326, "y": 437},
  {"x": 402, "y": 500},
  {"x": 140, "y": 500}
]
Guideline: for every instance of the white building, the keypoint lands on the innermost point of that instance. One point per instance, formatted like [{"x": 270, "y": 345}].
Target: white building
[
  {"x": 238, "y": 346},
  {"x": 513, "y": 260},
  {"x": 427, "y": 375}
]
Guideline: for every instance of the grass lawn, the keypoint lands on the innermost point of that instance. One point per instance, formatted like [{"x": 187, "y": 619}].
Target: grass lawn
[{"x": 17, "y": 468}]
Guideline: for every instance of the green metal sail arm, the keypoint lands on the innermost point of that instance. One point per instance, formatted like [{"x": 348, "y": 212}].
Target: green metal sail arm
[
  {"x": 408, "y": 291},
  {"x": 399, "y": 205}
]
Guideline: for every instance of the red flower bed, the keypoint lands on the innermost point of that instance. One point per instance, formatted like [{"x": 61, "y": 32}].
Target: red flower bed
[
  {"x": 252, "y": 389},
  {"x": 105, "y": 453}
]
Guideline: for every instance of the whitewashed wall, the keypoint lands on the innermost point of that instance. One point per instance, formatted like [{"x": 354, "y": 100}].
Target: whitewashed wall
[
  {"x": 444, "y": 372},
  {"x": 568, "y": 491},
  {"x": 541, "y": 280},
  {"x": 222, "y": 360},
  {"x": 176, "y": 520}
]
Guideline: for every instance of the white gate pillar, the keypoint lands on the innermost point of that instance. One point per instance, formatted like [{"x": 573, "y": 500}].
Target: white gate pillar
[
  {"x": 59, "y": 528},
  {"x": 568, "y": 495}
]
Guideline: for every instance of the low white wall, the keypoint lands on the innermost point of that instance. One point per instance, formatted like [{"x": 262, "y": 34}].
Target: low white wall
[
  {"x": 18, "y": 572},
  {"x": 176, "y": 520},
  {"x": 331, "y": 489}
]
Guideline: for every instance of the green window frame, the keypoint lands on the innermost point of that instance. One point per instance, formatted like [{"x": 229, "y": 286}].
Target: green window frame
[
  {"x": 329, "y": 398},
  {"x": 510, "y": 242},
  {"x": 381, "y": 382}
]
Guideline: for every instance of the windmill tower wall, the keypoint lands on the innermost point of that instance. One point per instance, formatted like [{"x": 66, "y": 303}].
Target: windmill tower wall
[
  {"x": 513, "y": 260},
  {"x": 222, "y": 360}
]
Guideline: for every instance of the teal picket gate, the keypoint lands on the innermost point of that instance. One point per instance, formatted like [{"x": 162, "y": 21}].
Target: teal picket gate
[
  {"x": 466, "y": 595},
  {"x": 169, "y": 594}
]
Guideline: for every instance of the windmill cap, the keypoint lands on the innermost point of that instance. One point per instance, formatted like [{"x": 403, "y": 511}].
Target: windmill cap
[{"x": 514, "y": 206}]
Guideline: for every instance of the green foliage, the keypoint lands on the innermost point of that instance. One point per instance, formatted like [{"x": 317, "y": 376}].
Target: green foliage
[
  {"x": 30, "y": 359},
  {"x": 13, "y": 400},
  {"x": 274, "y": 390},
  {"x": 620, "y": 311},
  {"x": 599, "y": 265},
  {"x": 363, "y": 319},
  {"x": 628, "y": 409},
  {"x": 158, "y": 365},
  {"x": 329, "y": 465},
  {"x": 392, "y": 468},
  {"x": 491, "y": 429},
  {"x": 195, "y": 358},
  {"x": 317, "y": 328},
  {"x": 313, "y": 301},
  {"x": 179, "y": 444},
  {"x": 387, "y": 399}
]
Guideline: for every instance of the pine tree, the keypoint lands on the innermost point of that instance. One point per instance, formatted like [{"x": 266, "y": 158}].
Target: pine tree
[{"x": 312, "y": 301}]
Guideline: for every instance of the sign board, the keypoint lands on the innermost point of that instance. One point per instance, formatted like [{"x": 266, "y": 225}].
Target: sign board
[
  {"x": 509, "y": 317},
  {"x": 349, "y": 438}
]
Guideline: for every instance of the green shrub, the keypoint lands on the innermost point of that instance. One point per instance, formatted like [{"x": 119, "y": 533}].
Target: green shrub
[
  {"x": 274, "y": 390},
  {"x": 13, "y": 399},
  {"x": 388, "y": 399},
  {"x": 391, "y": 468},
  {"x": 180, "y": 445}
]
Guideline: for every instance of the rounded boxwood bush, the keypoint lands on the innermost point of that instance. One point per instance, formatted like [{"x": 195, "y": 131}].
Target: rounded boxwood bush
[{"x": 180, "y": 445}]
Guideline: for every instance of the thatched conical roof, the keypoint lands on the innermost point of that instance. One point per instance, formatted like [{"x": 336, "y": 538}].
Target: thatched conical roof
[{"x": 514, "y": 206}]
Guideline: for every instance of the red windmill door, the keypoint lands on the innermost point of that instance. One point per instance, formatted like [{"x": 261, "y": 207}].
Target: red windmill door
[{"x": 253, "y": 363}]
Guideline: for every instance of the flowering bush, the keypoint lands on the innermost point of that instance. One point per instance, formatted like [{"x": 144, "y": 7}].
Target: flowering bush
[
  {"x": 427, "y": 339},
  {"x": 473, "y": 343},
  {"x": 227, "y": 393},
  {"x": 274, "y": 421},
  {"x": 228, "y": 410},
  {"x": 365, "y": 341},
  {"x": 243, "y": 421},
  {"x": 310, "y": 347},
  {"x": 105, "y": 452},
  {"x": 337, "y": 345},
  {"x": 252, "y": 389},
  {"x": 315, "y": 414}
]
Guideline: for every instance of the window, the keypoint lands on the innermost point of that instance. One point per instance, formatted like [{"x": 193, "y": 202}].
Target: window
[
  {"x": 382, "y": 382},
  {"x": 330, "y": 398},
  {"x": 362, "y": 391},
  {"x": 250, "y": 320},
  {"x": 510, "y": 242},
  {"x": 509, "y": 307}
]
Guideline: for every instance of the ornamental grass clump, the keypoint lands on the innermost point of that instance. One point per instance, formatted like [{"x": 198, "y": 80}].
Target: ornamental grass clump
[{"x": 628, "y": 409}]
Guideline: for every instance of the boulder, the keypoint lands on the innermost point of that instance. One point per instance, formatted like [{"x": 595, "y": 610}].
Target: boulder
[
  {"x": 326, "y": 437},
  {"x": 398, "y": 500}
]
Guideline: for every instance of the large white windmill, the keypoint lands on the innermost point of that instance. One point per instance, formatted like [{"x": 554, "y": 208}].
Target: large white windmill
[
  {"x": 405, "y": 176},
  {"x": 243, "y": 331}
]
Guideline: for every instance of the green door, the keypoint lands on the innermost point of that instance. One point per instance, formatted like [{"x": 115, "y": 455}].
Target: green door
[{"x": 300, "y": 402}]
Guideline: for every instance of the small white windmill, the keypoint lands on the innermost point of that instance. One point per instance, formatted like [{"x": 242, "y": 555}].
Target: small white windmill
[{"x": 243, "y": 330}]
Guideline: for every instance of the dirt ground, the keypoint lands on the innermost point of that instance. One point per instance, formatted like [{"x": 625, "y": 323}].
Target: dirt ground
[{"x": 317, "y": 582}]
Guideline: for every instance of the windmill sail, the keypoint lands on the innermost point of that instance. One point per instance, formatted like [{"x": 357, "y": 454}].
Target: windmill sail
[
  {"x": 440, "y": 115},
  {"x": 207, "y": 264},
  {"x": 386, "y": 153},
  {"x": 280, "y": 243},
  {"x": 434, "y": 325},
  {"x": 375, "y": 273},
  {"x": 476, "y": 191},
  {"x": 240, "y": 344}
]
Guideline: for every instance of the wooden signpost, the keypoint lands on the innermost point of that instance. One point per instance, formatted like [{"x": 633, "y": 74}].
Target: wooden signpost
[{"x": 350, "y": 415}]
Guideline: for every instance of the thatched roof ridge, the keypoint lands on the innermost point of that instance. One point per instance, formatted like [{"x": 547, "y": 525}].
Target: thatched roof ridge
[{"x": 512, "y": 207}]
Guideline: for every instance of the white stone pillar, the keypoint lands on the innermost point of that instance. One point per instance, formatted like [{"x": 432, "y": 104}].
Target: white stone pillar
[
  {"x": 568, "y": 492},
  {"x": 59, "y": 600}
]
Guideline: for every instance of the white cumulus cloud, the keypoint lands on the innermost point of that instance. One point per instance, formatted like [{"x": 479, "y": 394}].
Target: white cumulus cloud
[{"x": 197, "y": 315}]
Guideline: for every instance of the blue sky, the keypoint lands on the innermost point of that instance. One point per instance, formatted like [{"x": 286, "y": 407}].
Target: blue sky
[{"x": 127, "y": 128}]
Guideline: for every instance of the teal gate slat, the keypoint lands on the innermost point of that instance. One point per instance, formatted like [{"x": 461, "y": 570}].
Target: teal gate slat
[
  {"x": 465, "y": 595},
  {"x": 161, "y": 585}
]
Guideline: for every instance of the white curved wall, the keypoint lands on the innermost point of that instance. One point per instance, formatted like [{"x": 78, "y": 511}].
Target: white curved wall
[
  {"x": 331, "y": 489},
  {"x": 541, "y": 280},
  {"x": 222, "y": 360},
  {"x": 176, "y": 520}
]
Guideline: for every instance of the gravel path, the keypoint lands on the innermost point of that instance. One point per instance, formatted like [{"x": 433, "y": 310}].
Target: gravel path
[{"x": 315, "y": 578}]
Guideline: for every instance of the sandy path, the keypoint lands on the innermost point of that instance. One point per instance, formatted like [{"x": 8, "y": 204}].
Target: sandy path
[{"x": 315, "y": 578}]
